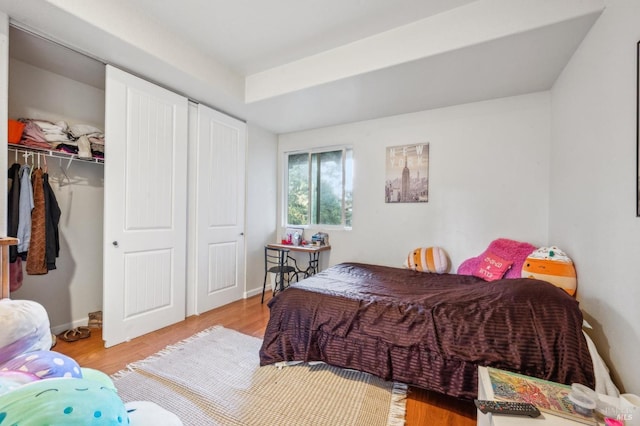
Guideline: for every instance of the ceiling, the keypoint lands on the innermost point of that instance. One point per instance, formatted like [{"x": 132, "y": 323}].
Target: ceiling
[
  {"x": 252, "y": 36},
  {"x": 290, "y": 65}
]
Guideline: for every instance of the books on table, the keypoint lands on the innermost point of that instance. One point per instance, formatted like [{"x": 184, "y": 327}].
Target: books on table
[{"x": 549, "y": 397}]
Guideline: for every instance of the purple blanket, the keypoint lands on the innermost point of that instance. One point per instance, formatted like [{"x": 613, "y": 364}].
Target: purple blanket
[{"x": 428, "y": 330}]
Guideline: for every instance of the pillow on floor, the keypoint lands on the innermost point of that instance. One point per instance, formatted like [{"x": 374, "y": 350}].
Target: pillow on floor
[{"x": 507, "y": 249}]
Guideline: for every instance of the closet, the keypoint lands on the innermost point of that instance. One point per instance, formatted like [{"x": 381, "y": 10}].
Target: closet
[
  {"x": 50, "y": 82},
  {"x": 155, "y": 233}
]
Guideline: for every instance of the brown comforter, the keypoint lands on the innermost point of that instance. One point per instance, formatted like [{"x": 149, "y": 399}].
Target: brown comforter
[{"x": 428, "y": 330}]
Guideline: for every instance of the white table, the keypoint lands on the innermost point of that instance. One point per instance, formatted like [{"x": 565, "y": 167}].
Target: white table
[{"x": 486, "y": 392}]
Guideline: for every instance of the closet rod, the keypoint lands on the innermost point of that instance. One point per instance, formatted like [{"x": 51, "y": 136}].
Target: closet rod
[{"x": 53, "y": 153}]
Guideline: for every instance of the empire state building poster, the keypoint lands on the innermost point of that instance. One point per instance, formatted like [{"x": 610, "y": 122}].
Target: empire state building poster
[{"x": 407, "y": 174}]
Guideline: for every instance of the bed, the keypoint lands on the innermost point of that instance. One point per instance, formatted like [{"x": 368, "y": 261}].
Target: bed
[{"x": 428, "y": 330}]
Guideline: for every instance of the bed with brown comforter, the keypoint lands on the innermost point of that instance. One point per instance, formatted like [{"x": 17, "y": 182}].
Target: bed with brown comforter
[{"x": 428, "y": 330}]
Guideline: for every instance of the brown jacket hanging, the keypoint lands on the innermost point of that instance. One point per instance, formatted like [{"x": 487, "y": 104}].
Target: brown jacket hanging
[{"x": 36, "y": 258}]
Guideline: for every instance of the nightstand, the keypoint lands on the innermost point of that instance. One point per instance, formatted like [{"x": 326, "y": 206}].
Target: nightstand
[{"x": 486, "y": 392}]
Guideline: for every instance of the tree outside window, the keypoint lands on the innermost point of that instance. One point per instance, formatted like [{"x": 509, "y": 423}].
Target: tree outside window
[{"x": 319, "y": 187}]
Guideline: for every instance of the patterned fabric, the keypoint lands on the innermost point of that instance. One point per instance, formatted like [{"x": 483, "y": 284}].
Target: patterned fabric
[
  {"x": 36, "y": 258},
  {"x": 44, "y": 364},
  {"x": 428, "y": 330}
]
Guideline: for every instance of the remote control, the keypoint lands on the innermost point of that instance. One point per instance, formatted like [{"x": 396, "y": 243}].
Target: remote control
[{"x": 507, "y": 407}]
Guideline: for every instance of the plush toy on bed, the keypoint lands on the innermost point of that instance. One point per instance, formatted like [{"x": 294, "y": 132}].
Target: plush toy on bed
[
  {"x": 552, "y": 265},
  {"x": 427, "y": 259},
  {"x": 39, "y": 386},
  {"x": 506, "y": 258}
]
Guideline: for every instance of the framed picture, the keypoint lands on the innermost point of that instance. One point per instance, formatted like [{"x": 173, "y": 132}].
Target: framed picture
[
  {"x": 638, "y": 129},
  {"x": 407, "y": 174}
]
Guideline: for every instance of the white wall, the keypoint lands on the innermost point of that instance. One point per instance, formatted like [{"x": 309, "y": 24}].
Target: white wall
[
  {"x": 261, "y": 202},
  {"x": 593, "y": 183},
  {"x": 4, "y": 82},
  {"x": 74, "y": 289},
  {"x": 488, "y": 178}
]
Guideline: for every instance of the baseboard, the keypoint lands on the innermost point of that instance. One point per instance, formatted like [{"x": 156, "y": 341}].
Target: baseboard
[
  {"x": 57, "y": 329},
  {"x": 253, "y": 292}
]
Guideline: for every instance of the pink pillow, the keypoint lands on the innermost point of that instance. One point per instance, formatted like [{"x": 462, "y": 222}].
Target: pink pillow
[
  {"x": 492, "y": 267},
  {"x": 507, "y": 249}
]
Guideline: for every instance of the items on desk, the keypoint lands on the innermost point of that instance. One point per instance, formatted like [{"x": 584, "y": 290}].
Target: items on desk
[
  {"x": 293, "y": 236},
  {"x": 321, "y": 238},
  {"x": 294, "y": 239}
]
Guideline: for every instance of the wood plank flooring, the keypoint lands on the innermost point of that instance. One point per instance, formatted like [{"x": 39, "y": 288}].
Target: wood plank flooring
[{"x": 250, "y": 317}]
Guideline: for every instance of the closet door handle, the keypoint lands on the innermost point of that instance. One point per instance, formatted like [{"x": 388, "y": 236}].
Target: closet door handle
[{"x": 115, "y": 244}]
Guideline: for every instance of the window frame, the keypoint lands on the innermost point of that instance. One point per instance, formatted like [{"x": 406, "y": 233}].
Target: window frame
[{"x": 285, "y": 186}]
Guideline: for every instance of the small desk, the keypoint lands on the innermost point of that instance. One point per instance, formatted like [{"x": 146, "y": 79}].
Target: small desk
[{"x": 314, "y": 255}]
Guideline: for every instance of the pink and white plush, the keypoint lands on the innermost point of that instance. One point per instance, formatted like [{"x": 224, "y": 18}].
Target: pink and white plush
[
  {"x": 25, "y": 328},
  {"x": 507, "y": 249}
]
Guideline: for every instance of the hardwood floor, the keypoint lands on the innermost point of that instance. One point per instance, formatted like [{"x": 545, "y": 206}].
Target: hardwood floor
[{"x": 250, "y": 317}]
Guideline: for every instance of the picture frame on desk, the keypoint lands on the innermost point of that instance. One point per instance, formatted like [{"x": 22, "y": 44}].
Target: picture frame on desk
[{"x": 290, "y": 231}]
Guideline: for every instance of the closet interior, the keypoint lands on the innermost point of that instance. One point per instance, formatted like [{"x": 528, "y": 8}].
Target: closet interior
[
  {"x": 132, "y": 243},
  {"x": 54, "y": 84}
]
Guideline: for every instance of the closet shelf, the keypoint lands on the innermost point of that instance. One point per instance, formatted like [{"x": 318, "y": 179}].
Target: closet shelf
[{"x": 52, "y": 153}]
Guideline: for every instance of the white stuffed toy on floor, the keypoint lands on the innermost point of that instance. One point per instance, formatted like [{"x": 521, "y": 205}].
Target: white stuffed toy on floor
[{"x": 146, "y": 413}]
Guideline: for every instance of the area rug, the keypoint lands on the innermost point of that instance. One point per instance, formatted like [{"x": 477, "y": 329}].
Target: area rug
[{"x": 214, "y": 378}]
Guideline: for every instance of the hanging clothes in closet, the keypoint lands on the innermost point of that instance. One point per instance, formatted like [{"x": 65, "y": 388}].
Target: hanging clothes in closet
[
  {"x": 52, "y": 215},
  {"x": 37, "y": 255},
  {"x": 13, "y": 213},
  {"x": 34, "y": 216},
  {"x": 24, "y": 211}
]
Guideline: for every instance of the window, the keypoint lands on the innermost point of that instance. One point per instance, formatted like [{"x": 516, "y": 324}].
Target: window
[{"x": 319, "y": 187}]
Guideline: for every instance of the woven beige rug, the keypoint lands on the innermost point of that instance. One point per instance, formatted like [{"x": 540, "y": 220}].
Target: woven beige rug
[{"x": 214, "y": 378}]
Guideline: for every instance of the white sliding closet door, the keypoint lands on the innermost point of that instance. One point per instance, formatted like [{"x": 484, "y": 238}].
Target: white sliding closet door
[
  {"x": 220, "y": 251},
  {"x": 145, "y": 189}
]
